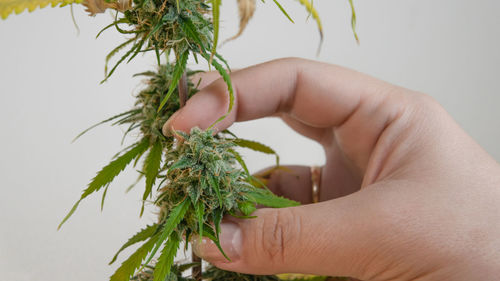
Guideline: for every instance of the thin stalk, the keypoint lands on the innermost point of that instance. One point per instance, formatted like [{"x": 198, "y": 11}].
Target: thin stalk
[
  {"x": 182, "y": 88},
  {"x": 196, "y": 270}
]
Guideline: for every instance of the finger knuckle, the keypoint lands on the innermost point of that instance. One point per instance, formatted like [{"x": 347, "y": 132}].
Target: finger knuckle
[{"x": 278, "y": 234}]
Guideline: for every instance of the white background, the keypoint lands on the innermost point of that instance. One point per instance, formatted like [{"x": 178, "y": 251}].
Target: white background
[{"x": 49, "y": 92}]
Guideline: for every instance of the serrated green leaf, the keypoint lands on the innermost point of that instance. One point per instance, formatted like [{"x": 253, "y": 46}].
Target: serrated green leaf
[
  {"x": 182, "y": 163},
  {"x": 227, "y": 79},
  {"x": 221, "y": 58},
  {"x": 18, "y": 6},
  {"x": 215, "y": 185},
  {"x": 217, "y": 218},
  {"x": 216, "y": 22},
  {"x": 210, "y": 234},
  {"x": 140, "y": 236},
  {"x": 162, "y": 267},
  {"x": 240, "y": 160},
  {"x": 257, "y": 146},
  {"x": 108, "y": 173},
  {"x": 268, "y": 199},
  {"x": 151, "y": 168},
  {"x": 129, "y": 266},
  {"x": 180, "y": 67},
  {"x": 130, "y": 112},
  {"x": 200, "y": 211},
  {"x": 191, "y": 32},
  {"x": 112, "y": 53},
  {"x": 173, "y": 220}
]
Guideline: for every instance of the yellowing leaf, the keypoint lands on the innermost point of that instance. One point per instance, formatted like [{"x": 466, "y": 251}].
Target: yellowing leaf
[
  {"x": 7, "y": 7},
  {"x": 312, "y": 11}
]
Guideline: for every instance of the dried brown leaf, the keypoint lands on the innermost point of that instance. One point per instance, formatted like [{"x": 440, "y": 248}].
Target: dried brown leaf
[{"x": 246, "y": 9}]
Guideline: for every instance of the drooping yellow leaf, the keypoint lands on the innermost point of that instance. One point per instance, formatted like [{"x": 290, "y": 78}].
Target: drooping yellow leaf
[
  {"x": 8, "y": 7},
  {"x": 312, "y": 11}
]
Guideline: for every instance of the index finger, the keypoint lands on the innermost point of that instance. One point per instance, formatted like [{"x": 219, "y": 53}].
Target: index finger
[{"x": 318, "y": 94}]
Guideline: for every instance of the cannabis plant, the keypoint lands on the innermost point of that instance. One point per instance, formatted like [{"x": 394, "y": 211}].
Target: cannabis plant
[{"x": 194, "y": 179}]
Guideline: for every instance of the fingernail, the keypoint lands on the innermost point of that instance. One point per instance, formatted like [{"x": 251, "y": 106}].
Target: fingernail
[
  {"x": 230, "y": 241},
  {"x": 167, "y": 127}
]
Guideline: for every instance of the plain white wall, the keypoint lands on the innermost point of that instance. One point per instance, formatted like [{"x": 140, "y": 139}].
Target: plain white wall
[{"x": 50, "y": 91}]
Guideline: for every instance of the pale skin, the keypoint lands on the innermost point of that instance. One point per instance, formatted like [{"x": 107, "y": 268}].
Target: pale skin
[{"x": 407, "y": 194}]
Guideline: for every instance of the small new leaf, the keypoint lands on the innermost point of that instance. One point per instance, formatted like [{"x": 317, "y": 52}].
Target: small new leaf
[{"x": 180, "y": 67}]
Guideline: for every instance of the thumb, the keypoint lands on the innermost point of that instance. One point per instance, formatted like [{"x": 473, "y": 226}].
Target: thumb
[{"x": 320, "y": 239}]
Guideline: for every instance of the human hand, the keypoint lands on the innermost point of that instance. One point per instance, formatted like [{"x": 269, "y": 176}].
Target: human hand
[{"x": 408, "y": 195}]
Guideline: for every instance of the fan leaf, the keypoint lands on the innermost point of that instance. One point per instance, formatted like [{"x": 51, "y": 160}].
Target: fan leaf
[
  {"x": 216, "y": 22},
  {"x": 173, "y": 220},
  {"x": 151, "y": 168},
  {"x": 108, "y": 173},
  {"x": 162, "y": 268},
  {"x": 266, "y": 198},
  {"x": 256, "y": 146},
  {"x": 129, "y": 266},
  {"x": 8, "y": 7},
  {"x": 142, "y": 235}
]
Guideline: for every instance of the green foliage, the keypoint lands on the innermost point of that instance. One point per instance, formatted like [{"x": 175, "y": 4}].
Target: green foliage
[
  {"x": 215, "y": 274},
  {"x": 257, "y": 146},
  {"x": 151, "y": 168},
  {"x": 108, "y": 173},
  {"x": 216, "y": 20},
  {"x": 353, "y": 20},
  {"x": 227, "y": 79},
  {"x": 166, "y": 260},
  {"x": 129, "y": 266},
  {"x": 179, "y": 69},
  {"x": 283, "y": 10},
  {"x": 267, "y": 198},
  {"x": 18, "y": 6},
  {"x": 171, "y": 223},
  {"x": 142, "y": 235}
]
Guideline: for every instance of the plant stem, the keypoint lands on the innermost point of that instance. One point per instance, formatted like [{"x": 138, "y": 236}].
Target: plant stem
[
  {"x": 182, "y": 88},
  {"x": 196, "y": 271}
]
